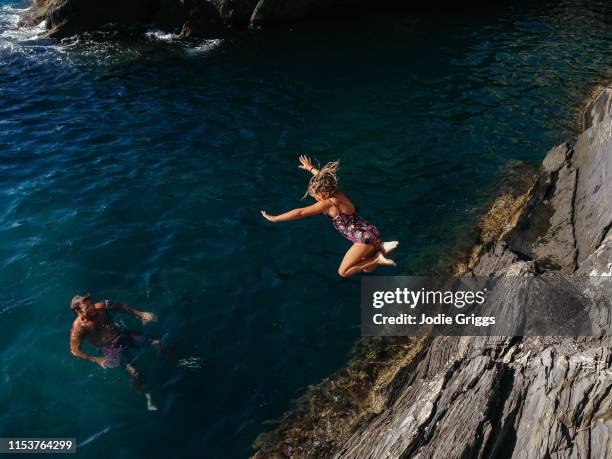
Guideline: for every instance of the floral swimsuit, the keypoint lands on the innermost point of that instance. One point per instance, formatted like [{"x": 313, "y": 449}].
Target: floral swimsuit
[{"x": 355, "y": 228}]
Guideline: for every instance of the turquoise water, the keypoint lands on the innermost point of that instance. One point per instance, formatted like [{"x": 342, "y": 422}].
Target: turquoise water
[{"x": 136, "y": 168}]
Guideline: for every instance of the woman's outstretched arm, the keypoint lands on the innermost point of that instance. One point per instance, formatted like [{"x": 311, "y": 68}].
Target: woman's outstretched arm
[
  {"x": 306, "y": 164},
  {"x": 303, "y": 212}
]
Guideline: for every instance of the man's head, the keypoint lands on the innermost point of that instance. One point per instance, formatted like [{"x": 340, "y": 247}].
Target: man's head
[{"x": 83, "y": 306}]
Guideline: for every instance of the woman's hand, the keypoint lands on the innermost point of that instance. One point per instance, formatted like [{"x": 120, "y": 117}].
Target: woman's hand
[
  {"x": 147, "y": 317},
  {"x": 268, "y": 217},
  {"x": 305, "y": 163}
]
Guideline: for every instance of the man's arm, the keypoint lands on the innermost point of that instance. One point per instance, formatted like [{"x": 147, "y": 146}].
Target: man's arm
[
  {"x": 76, "y": 336},
  {"x": 296, "y": 214},
  {"x": 142, "y": 315}
]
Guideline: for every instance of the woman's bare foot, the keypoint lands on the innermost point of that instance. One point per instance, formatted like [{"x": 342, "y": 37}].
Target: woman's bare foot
[
  {"x": 388, "y": 247},
  {"x": 382, "y": 260}
]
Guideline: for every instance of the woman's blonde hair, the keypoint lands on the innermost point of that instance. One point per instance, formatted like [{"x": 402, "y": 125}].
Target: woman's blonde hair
[{"x": 325, "y": 182}]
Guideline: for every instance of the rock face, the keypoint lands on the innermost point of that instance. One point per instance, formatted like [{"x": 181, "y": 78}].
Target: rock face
[
  {"x": 599, "y": 108},
  {"x": 68, "y": 17},
  {"x": 201, "y": 18},
  {"x": 273, "y": 11},
  {"x": 513, "y": 396},
  {"x": 519, "y": 397}
]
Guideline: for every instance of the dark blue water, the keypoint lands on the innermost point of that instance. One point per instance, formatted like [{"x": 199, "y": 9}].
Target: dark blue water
[{"x": 136, "y": 169}]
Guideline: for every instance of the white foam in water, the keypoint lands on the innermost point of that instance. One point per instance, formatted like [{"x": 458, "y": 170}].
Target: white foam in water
[
  {"x": 156, "y": 34},
  {"x": 21, "y": 40},
  {"x": 27, "y": 42},
  {"x": 9, "y": 19},
  {"x": 194, "y": 363},
  {"x": 207, "y": 46},
  {"x": 40, "y": 28},
  {"x": 159, "y": 35}
]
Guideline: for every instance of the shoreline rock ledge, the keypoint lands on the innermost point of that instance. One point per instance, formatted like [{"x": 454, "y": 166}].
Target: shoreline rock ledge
[
  {"x": 506, "y": 397},
  {"x": 193, "y": 18}
]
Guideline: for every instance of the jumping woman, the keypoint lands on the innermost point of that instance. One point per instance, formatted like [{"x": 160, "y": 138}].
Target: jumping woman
[{"x": 368, "y": 251}]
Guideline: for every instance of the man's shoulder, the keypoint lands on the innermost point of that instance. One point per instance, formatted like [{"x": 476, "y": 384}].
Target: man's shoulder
[{"x": 78, "y": 325}]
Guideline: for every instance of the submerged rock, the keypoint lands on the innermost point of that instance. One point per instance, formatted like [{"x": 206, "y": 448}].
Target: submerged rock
[{"x": 511, "y": 396}]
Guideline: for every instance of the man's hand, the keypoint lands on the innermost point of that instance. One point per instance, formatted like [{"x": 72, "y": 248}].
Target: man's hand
[
  {"x": 268, "y": 217},
  {"x": 147, "y": 317},
  {"x": 305, "y": 163},
  {"x": 101, "y": 361}
]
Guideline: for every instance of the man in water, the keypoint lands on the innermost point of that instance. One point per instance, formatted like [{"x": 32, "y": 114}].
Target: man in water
[{"x": 94, "y": 324}]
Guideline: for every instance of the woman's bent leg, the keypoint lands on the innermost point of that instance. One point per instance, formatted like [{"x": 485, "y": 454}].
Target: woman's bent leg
[{"x": 361, "y": 257}]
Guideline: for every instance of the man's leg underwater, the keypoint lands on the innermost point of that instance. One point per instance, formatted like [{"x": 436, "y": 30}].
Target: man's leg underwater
[{"x": 138, "y": 384}]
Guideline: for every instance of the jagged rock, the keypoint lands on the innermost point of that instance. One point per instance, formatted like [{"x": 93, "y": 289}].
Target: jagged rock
[
  {"x": 556, "y": 158},
  {"x": 545, "y": 232},
  {"x": 426, "y": 405},
  {"x": 235, "y": 12},
  {"x": 203, "y": 21},
  {"x": 34, "y": 15},
  {"x": 496, "y": 260},
  {"x": 69, "y": 17},
  {"x": 547, "y": 399},
  {"x": 596, "y": 271},
  {"x": 599, "y": 108},
  {"x": 526, "y": 304},
  {"x": 557, "y": 247},
  {"x": 593, "y": 212}
]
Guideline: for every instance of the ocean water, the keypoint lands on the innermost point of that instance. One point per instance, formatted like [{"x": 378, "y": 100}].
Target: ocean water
[{"x": 135, "y": 168}]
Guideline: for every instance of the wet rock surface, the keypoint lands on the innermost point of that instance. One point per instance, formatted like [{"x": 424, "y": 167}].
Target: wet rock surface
[{"x": 68, "y": 17}]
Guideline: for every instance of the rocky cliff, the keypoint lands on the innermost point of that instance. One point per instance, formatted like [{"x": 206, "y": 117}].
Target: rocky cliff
[
  {"x": 198, "y": 18},
  {"x": 523, "y": 397}
]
